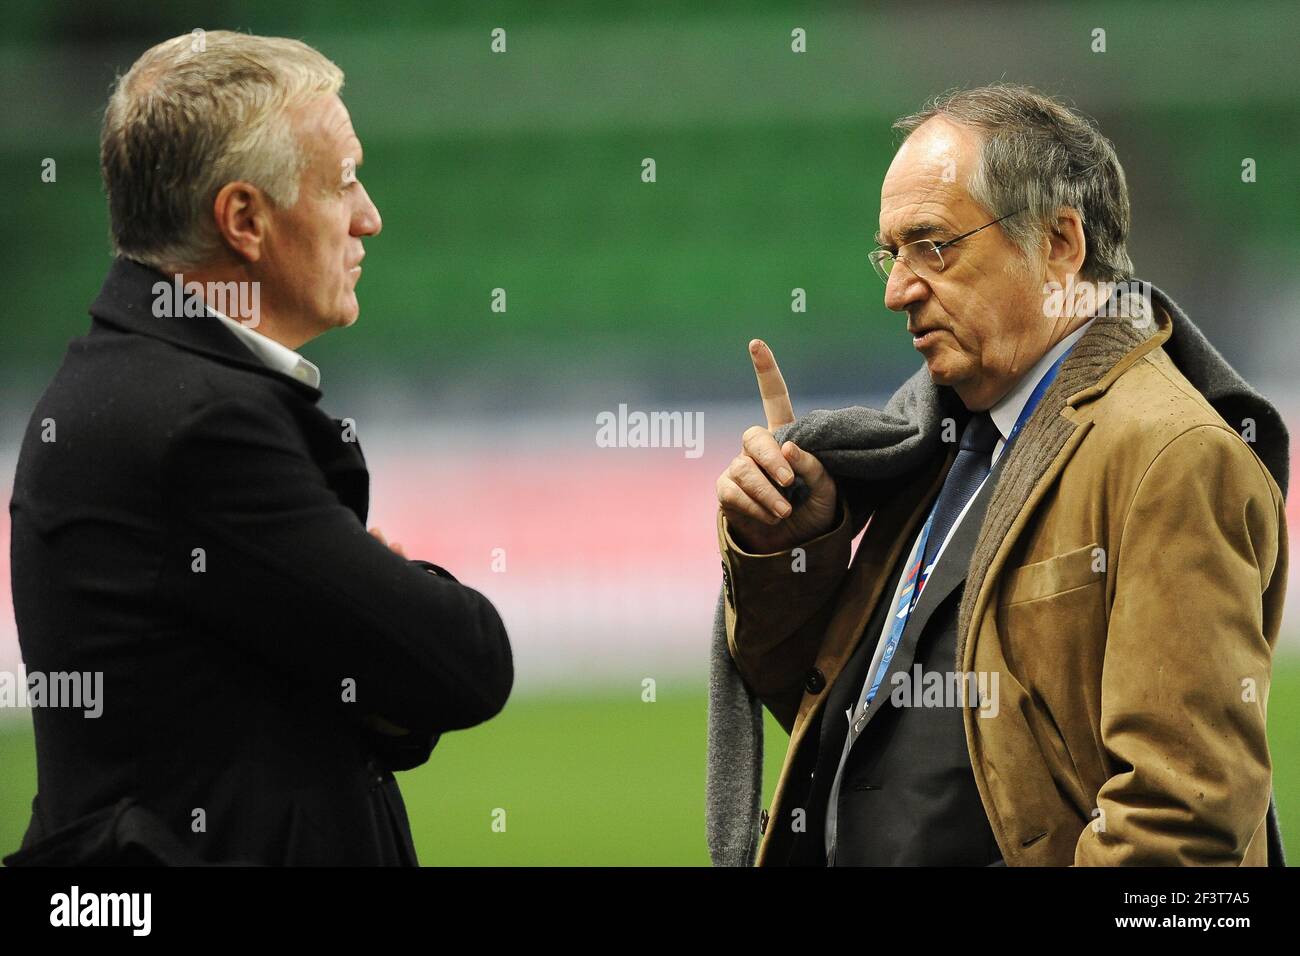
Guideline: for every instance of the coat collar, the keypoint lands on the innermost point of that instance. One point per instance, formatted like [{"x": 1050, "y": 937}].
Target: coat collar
[
  {"x": 126, "y": 300},
  {"x": 1111, "y": 346}
]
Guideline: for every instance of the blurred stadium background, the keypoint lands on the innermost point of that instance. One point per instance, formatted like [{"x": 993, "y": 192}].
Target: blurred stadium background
[{"x": 522, "y": 171}]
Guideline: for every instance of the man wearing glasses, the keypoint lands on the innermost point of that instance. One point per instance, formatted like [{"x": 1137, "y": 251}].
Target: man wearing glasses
[{"x": 1053, "y": 644}]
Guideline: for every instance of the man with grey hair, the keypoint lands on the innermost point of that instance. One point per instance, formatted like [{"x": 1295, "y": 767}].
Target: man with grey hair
[
  {"x": 1053, "y": 644},
  {"x": 187, "y": 522}
]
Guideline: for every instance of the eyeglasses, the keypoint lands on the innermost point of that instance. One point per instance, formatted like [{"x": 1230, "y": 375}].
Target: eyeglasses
[{"x": 923, "y": 252}]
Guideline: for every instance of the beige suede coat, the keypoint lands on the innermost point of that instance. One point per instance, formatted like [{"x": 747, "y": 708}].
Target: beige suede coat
[{"x": 1127, "y": 588}]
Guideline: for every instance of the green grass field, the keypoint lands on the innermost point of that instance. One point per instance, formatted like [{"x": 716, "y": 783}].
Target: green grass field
[{"x": 594, "y": 780}]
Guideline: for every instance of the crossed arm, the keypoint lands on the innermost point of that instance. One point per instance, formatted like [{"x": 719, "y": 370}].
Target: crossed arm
[{"x": 292, "y": 576}]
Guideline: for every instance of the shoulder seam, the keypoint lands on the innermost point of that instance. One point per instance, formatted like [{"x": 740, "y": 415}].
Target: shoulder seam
[{"x": 1184, "y": 386}]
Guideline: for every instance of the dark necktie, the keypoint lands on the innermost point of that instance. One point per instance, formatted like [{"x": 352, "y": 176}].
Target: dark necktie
[{"x": 969, "y": 469}]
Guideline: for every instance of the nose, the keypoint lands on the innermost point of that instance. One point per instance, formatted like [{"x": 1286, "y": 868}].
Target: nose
[
  {"x": 904, "y": 288},
  {"x": 366, "y": 220}
]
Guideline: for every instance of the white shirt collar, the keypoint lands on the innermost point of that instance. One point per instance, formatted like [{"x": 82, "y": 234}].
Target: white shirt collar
[
  {"x": 272, "y": 353},
  {"x": 1009, "y": 407}
]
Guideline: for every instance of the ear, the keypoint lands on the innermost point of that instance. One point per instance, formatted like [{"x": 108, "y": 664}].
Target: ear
[
  {"x": 1066, "y": 246},
  {"x": 241, "y": 211}
]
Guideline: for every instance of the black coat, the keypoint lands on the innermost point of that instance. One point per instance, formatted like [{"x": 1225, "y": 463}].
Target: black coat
[{"x": 225, "y": 735}]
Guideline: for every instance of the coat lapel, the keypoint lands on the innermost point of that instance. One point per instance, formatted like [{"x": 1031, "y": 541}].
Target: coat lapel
[
  {"x": 948, "y": 574},
  {"x": 895, "y": 521}
]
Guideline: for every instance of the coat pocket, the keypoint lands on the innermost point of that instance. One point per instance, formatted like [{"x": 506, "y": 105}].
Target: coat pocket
[{"x": 1064, "y": 572}]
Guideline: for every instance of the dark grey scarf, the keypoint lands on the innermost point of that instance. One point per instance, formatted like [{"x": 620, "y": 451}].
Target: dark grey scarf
[{"x": 871, "y": 444}]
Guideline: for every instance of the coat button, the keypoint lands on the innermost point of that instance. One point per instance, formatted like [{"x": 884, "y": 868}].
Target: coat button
[
  {"x": 762, "y": 822},
  {"x": 859, "y": 724},
  {"x": 815, "y": 681}
]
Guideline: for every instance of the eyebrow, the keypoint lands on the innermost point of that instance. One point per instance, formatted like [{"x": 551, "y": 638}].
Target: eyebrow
[{"x": 916, "y": 230}]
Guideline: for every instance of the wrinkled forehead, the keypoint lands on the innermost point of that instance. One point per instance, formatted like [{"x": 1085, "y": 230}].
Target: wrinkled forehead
[
  {"x": 326, "y": 132},
  {"x": 924, "y": 193}
]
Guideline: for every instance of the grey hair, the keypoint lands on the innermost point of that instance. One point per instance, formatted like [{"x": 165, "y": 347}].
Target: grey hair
[
  {"x": 192, "y": 114},
  {"x": 1037, "y": 153}
]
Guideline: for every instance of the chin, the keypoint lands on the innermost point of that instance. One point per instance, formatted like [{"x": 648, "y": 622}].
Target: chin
[
  {"x": 940, "y": 372},
  {"x": 943, "y": 371},
  {"x": 347, "y": 313}
]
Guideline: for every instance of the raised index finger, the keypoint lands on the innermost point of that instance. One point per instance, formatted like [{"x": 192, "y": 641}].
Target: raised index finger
[{"x": 771, "y": 386}]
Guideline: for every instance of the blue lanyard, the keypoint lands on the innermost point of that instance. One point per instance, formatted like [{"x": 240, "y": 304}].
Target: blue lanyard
[{"x": 917, "y": 576}]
